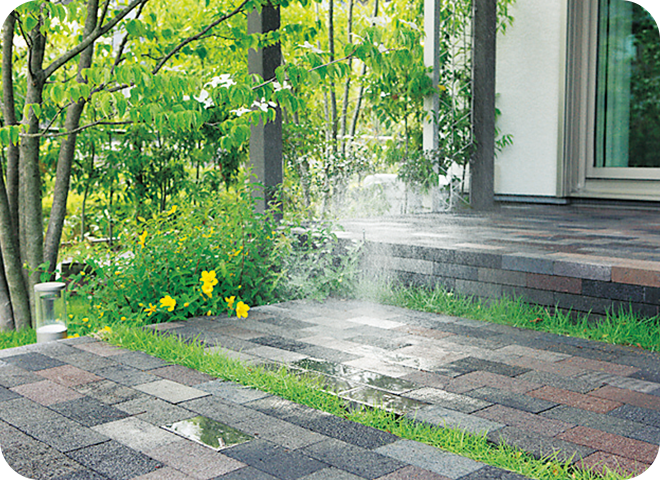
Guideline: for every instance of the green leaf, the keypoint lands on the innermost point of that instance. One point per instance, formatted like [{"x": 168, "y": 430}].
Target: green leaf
[{"x": 30, "y": 22}]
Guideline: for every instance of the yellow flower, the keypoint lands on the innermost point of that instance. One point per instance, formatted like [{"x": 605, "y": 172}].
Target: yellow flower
[
  {"x": 142, "y": 238},
  {"x": 85, "y": 320},
  {"x": 207, "y": 288},
  {"x": 151, "y": 309},
  {"x": 171, "y": 210},
  {"x": 123, "y": 318},
  {"x": 70, "y": 316},
  {"x": 186, "y": 304},
  {"x": 230, "y": 301},
  {"x": 168, "y": 302},
  {"x": 208, "y": 314},
  {"x": 242, "y": 310},
  {"x": 117, "y": 273},
  {"x": 209, "y": 277},
  {"x": 107, "y": 329},
  {"x": 82, "y": 273}
]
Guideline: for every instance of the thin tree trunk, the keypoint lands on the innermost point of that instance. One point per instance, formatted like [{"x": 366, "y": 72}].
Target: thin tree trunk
[
  {"x": 29, "y": 200},
  {"x": 347, "y": 87},
  {"x": 12, "y": 265},
  {"x": 9, "y": 112},
  {"x": 358, "y": 103},
  {"x": 67, "y": 150},
  {"x": 6, "y": 312},
  {"x": 333, "y": 97}
]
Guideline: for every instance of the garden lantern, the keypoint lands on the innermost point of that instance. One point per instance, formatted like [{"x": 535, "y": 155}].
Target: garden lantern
[{"x": 51, "y": 311}]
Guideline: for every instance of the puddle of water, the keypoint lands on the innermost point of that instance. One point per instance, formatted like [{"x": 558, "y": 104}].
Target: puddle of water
[
  {"x": 329, "y": 368},
  {"x": 380, "y": 399},
  {"x": 328, "y": 383},
  {"x": 208, "y": 432}
]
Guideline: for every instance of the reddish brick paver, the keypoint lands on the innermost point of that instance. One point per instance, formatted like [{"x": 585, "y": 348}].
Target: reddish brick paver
[
  {"x": 574, "y": 399},
  {"x": 610, "y": 443},
  {"x": 554, "y": 283},
  {"x": 46, "y": 392},
  {"x": 181, "y": 374},
  {"x": 600, "y": 461},
  {"x": 524, "y": 420},
  {"x": 636, "y": 276},
  {"x": 597, "y": 365},
  {"x": 631, "y": 397},
  {"x": 479, "y": 379},
  {"x": 69, "y": 376}
]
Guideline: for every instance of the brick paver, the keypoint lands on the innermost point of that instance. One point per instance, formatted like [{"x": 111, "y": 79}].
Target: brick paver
[
  {"x": 628, "y": 396},
  {"x": 615, "y": 444},
  {"x": 573, "y": 399},
  {"x": 102, "y": 409}
]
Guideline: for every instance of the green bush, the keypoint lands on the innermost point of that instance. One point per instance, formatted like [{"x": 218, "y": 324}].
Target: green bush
[{"x": 217, "y": 258}]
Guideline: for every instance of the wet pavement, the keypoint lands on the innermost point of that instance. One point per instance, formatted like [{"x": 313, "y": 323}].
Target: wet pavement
[{"x": 81, "y": 409}]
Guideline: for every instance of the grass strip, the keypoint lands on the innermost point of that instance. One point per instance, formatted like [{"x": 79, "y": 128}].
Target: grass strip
[
  {"x": 305, "y": 391},
  {"x": 620, "y": 327}
]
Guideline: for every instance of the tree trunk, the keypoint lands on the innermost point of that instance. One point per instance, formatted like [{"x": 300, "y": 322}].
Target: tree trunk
[
  {"x": 6, "y": 312},
  {"x": 68, "y": 150},
  {"x": 29, "y": 199},
  {"x": 358, "y": 103},
  {"x": 347, "y": 87},
  {"x": 333, "y": 97},
  {"x": 9, "y": 112},
  {"x": 12, "y": 265}
]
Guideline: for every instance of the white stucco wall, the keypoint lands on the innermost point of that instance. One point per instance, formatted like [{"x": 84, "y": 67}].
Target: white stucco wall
[{"x": 530, "y": 69}]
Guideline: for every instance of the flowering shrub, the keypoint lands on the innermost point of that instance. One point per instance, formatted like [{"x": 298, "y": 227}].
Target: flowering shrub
[{"x": 208, "y": 259}]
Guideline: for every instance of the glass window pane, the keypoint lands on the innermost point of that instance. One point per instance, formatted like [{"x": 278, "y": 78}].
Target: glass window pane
[{"x": 628, "y": 92}]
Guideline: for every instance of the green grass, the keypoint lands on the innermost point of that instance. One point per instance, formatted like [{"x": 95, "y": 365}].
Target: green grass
[
  {"x": 305, "y": 391},
  {"x": 621, "y": 327}
]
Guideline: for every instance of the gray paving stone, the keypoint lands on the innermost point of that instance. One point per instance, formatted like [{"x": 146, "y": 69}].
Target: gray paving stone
[
  {"x": 126, "y": 375},
  {"x": 154, "y": 410},
  {"x": 579, "y": 385},
  {"x": 513, "y": 400},
  {"x": 445, "y": 417},
  {"x": 332, "y": 473},
  {"x": 36, "y": 460},
  {"x": 452, "y": 401},
  {"x": 383, "y": 400},
  {"x": 89, "y": 361},
  {"x": 63, "y": 434},
  {"x": 140, "y": 360},
  {"x": 598, "y": 421},
  {"x": 82, "y": 474},
  {"x": 647, "y": 434},
  {"x": 280, "y": 432},
  {"x": 637, "y": 414},
  {"x": 13, "y": 376},
  {"x": 471, "y": 364},
  {"x": 115, "y": 460},
  {"x": 88, "y": 411},
  {"x": 246, "y": 473},
  {"x": 350, "y": 458},
  {"x": 231, "y": 391},
  {"x": 430, "y": 458},
  {"x": 20, "y": 411},
  {"x": 6, "y": 394},
  {"x": 489, "y": 472},
  {"x": 274, "y": 460},
  {"x": 222, "y": 410},
  {"x": 33, "y": 361},
  {"x": 136, "y": 434},
  {"x": 107, "y": 391},
  {"x": 329, "y": 354},
  {"x": 541, "y": 446},
  {"x": 171, "y": 391},
  {"x": 324, "y": 423}
]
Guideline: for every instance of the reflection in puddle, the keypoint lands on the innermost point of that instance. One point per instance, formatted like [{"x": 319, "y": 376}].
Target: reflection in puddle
[
  {"x": 380, "y": 399},
  {"x": 208, "y": 432}
]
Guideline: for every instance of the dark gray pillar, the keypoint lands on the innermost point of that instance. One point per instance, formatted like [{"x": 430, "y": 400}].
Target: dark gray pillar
[
  {"x": 266, "y": 140},
  {"x": 482, "y": 194}
]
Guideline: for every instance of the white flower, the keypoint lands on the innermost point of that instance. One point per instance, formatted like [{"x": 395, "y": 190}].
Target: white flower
[
  {"x": 204, "y": 98},
  {"x": 240, "y": 111},
  {"x": 277, "y": 86},
  {"x": 223, "y": 80},
  {"x": 311, "y": 47}
]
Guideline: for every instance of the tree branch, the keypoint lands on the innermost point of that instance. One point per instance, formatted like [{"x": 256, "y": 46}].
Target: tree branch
[
  {"x": 87, "y": 41},
  {"x": 185, "y": 42},
  {"x": 77, "y": 130}
]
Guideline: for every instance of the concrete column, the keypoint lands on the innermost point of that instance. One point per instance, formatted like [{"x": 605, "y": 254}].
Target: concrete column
[
  {"x": 266, "y": 140},
  {"x": 431, "y": 59},
  {"x": 482, "y": 165}
]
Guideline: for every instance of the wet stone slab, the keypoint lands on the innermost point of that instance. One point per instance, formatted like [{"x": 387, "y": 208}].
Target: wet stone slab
[
  {"x": 380, "y": 399},
  {"x": 208, "y": 432}
]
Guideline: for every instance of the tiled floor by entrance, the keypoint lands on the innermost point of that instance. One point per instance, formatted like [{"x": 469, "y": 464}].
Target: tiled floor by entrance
[{"x": 116, "y": 414}]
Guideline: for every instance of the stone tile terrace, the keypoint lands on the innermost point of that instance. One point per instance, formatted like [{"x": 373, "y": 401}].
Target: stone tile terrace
[{"x": 582, "y": 258}]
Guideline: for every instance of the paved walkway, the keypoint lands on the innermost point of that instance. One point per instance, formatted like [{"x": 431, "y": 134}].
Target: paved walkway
[{"x": 80, "y": 409}]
